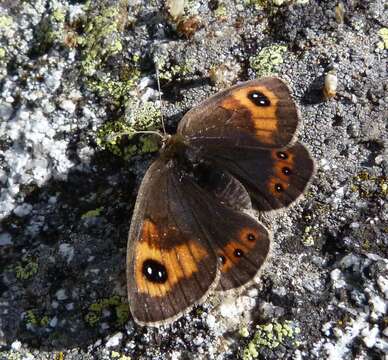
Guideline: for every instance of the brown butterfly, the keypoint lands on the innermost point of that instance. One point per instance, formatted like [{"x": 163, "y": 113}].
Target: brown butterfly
[{"x": 190, "y": 233}]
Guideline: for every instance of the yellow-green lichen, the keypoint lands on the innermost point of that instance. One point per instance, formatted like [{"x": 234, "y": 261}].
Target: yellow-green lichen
[
  {"x": 118, "y": 90},
  {"x": 102, "y": 39},
  {"x": 244, "y": 332},
  {"x": 308, "y": 239},
  {"x": 118, "y": 356},
  {"x": 2, "y": 53},
  {"x": 143, "y": 116},
  {"x": 268, "y": 60},
  {"x": 383, "y": 33},
  {"x": 270, "y": 336},
  {"x": 177, "y": 71},
  {"x": 31, "y": 318},
  {"x": 258, "y": 4},
  {"x": 278, "y": 2},
  {"x": 122, "y": 313},
  {"x": 59, "y": 356},
  {"x": 44, "y": 321},
  {"x": 5, "y": 21},
  {"x": 26, "y": 269},
  {"x": 59, "y": 15},
  {"x": 221, "y": 12},
  {"x": 92, "y": 213},
  {"x": 49, "y": 32},
  {"x": 11, "y": 355},
  {"x": 120, "y": 307},
  {"x": 368, "y": 186}
]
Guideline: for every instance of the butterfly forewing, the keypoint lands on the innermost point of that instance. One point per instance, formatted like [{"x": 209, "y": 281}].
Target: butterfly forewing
[
  {"x": 170, "y": 265},
  {"x": 258, "y": 113}
]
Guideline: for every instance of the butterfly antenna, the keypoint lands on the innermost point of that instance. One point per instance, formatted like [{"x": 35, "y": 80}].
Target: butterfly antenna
[{"x": 160, "y": 98}]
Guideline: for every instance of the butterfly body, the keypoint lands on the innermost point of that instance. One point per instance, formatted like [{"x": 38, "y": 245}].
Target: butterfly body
[{"x": 190, "y": 232}]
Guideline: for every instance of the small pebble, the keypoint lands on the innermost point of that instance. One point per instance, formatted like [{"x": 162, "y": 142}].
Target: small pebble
[
  {"x": 61, "y": 295},
  {"x": 114, "y": 340},
  {"x": 22, "y": 210}
]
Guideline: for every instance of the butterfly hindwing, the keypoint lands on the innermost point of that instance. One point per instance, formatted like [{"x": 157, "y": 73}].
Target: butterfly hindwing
[
  {"x": 274, "y": 178},
  {"x": 241, "y": 243}
]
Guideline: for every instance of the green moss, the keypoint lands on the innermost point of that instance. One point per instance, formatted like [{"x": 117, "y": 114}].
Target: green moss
[
  {"x": 270, "y": 336},
  {"x": 26, "y": 269},
  {"x": 268, "y": 60},
  {"x": 120, "y": 307},
  {"x": 92, "y": 213}
]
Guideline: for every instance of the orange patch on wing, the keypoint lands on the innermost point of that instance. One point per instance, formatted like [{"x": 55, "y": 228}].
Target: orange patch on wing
[
  {"x": 263, "y": 118},
  {"x": 242, "y": 244},
  {"x": 180, "y": 262}
]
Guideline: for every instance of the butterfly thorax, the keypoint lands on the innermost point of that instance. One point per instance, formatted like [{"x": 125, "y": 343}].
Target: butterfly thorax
[
  {"x": 177, "y": 153},
  {"x": 173, "y": 146}
]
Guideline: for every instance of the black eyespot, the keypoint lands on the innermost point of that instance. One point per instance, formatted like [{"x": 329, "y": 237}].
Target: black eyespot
[
  {"x": 286, "y": 171},
  {"x": 238, "y": 253},
  {"x": 251, "y": 237},
  {"x": 258, "y": 98},
  {"x": 282, "y": 155},
  {"x": 222, "y": 259},
  {"x": 154, "y": 271},
  {"x": 279, "y": 187}
]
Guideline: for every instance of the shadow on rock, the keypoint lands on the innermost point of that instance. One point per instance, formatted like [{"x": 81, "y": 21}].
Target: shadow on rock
[{"x": 63, "y": 273}]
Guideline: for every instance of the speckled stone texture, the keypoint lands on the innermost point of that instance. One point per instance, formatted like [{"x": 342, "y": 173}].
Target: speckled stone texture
[{"x": 68, "y": 68}]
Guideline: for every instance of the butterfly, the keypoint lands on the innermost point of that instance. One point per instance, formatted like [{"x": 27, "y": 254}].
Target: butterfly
[{"x": 191, "y": 233}]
